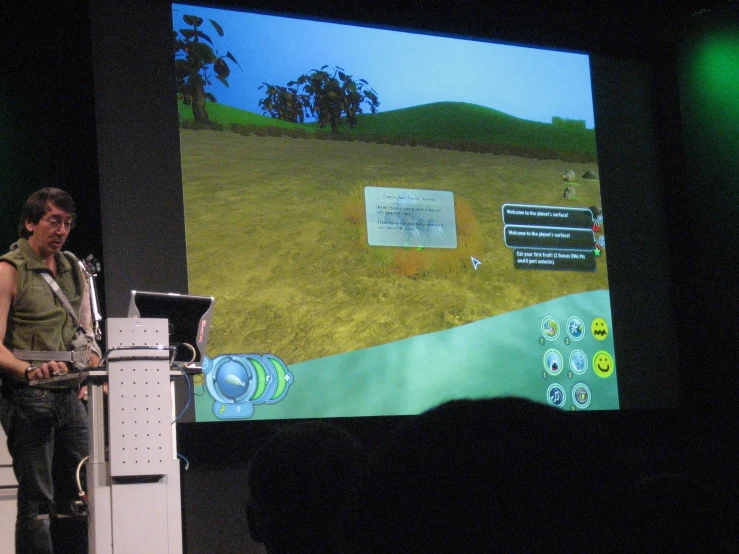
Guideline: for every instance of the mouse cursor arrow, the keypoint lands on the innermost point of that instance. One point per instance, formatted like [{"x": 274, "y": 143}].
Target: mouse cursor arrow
[{"x": 475, "y": 262}]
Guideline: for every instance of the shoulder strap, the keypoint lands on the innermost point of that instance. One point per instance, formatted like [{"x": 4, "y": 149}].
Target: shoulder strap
[{"x": 60, "y": 294}]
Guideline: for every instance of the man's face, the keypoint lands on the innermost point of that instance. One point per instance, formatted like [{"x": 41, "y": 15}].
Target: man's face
[{"x": 51, "y": 232}]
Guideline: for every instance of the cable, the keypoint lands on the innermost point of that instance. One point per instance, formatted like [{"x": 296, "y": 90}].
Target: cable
[
  {"x": 187, "y": 463},
  {"x": 189, "y": 396},
  {"x": 189, "y": 392},
  {"x": 79, "y": 507},
  {"x": 189, "y": 347},
  {"x": 194, "y": 352},
  {"x": 113, "y": 349},
  {"x": 80, "y": 491}
]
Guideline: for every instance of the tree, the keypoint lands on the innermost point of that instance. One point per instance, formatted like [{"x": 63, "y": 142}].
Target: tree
[
  {"x": 325, "y": 100},
  {"x": 283, "y": 103},
  {"x": 357, "y": 93},
  {"x": 326, "y": 96},
  {"x": 194, "y": 62}
]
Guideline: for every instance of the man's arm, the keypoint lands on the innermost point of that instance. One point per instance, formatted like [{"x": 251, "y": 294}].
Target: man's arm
[{"x": 9, "y": 364}]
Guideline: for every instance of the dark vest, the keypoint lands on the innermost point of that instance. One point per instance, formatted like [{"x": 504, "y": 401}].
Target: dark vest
[{"x": 37, "y": 320}]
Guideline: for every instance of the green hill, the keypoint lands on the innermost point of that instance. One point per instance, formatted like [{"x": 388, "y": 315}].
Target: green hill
[
  {"x": 459, "y": 121},
  {"x": 226, "y": 115},
  {"x": 452, "y": 125}
]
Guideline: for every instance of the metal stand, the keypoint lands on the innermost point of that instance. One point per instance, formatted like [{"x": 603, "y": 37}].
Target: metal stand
[{"x": 134, "y": 494}]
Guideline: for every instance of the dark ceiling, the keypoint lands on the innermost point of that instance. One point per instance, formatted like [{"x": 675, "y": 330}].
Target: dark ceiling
[{"x": 633, "y": 28}]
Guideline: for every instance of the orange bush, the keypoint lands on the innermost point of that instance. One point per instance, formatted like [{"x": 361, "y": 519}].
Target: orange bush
[
  {"x": 354, "y": 211},
  {"x": 465, "y": 216},
  {"x": 408, "y": 263}
]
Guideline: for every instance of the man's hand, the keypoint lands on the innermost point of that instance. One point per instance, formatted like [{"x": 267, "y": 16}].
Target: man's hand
[{"x": 47, "y": 370}]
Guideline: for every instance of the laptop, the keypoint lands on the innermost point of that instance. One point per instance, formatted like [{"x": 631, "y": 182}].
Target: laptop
[{"x": 189, "y": 321}]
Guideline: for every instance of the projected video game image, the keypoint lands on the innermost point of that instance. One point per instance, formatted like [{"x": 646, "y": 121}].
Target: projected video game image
[{"x": 389, "y": 220}]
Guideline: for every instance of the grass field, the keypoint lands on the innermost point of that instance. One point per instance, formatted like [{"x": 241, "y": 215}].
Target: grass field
[{"x": 267, "y": 236}]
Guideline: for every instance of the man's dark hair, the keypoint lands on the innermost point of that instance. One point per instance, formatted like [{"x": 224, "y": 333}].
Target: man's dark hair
[{"x": 38, "y": 204}]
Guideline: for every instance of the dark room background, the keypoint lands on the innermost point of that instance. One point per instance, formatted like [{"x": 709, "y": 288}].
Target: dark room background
[{"x": 77, "y": 111}]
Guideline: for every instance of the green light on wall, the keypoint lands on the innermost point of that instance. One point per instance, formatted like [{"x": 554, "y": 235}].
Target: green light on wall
[
  {"x": 714, "y": 69},
  {"x": 709, "y": 101}
]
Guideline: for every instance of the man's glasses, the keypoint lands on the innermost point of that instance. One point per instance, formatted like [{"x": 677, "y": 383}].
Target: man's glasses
[{"x": 56, "y": 222}]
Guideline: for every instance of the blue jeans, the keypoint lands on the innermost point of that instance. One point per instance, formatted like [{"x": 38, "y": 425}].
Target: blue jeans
[{"x": 47, "y": 437}]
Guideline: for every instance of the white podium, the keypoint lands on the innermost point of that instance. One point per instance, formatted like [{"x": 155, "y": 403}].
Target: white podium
[{"x": 134, "y": 493}]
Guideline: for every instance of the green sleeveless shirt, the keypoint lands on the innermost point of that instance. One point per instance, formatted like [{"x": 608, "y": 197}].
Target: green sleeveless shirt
[{"x": 38, "y": 320}]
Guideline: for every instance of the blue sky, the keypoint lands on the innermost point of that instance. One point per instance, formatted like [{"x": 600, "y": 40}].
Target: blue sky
[{"x": 404, "y": 68}]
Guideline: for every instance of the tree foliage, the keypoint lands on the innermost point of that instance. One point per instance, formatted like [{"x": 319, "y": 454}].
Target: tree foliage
[
  {"x": 196, "y": 64},
  {"x": 330, "y": 97},
  {"x": 284, "y": 103}
]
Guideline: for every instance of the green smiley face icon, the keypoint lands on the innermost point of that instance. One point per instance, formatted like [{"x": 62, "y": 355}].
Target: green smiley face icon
[{"x": 603, "y": 364}]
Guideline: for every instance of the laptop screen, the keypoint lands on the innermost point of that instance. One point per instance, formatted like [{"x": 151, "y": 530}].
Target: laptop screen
[{"x": 189, "y": 320}]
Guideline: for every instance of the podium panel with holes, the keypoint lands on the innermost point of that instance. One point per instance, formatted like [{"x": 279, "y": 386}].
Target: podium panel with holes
[{"x": 134, "y": 491}]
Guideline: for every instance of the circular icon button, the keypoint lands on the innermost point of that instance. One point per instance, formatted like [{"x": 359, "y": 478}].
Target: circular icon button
[
  {"x": 603, "y": 364},
  {"x": 578, "y": 362},
  {"x": 232, "y": 379},
  {"x": 550, "y": 327},
  {"x": 556, "y": 395},
  {"x": 581, "y": 395},
  {"x": 553, "y": 361},
  {"x": 575, "y": 328}
]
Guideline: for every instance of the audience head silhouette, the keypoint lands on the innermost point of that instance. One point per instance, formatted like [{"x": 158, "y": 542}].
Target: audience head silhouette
[
  {"x": 504, "y": 474},
  {"x": 469, "y": 476},
  {"x": 303, "y": 489}
]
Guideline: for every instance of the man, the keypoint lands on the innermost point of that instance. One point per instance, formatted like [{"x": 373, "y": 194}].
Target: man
[{"x": 46, "y": 427}]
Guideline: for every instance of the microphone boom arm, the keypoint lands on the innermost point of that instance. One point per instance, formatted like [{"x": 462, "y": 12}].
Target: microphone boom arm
[{"x": 90, "y": 268}]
